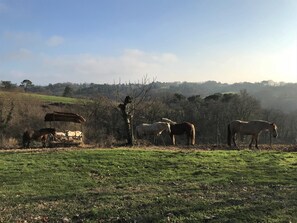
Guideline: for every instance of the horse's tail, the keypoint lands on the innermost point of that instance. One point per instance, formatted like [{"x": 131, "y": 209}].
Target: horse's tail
[
  {"x": 229, "y": 135},
  {"x": 193, "y": 133}
]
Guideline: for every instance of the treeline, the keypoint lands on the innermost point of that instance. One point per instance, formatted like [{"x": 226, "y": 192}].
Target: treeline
[
  {"x": 271, "y": 95},
  {"x": 105, "y": 124}
]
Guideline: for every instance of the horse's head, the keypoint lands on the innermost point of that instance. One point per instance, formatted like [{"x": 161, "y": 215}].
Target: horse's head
[
  {"x": 163, "y": 126},
  {"x": 52, "y": 131},
  {"x": 168, "y": 129},
  {"x": 273, "y": 130}
]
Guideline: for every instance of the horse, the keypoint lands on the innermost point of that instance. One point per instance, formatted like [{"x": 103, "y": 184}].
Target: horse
[
  {"x": 60, "y": 135},
  {"x": 253, "y": 128},
  {"x": 181, "y": 128},
  {"x": 154, "y": 129},
  {"x": 78, "y": 135},
  {"x": 37, "y": 135}
]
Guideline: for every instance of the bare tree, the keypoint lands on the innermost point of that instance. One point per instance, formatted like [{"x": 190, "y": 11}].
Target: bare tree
[
  {"x": 132, "y": 104},
  {"x": 5, "y": 118},
  {"x": 127, "y": 114}
]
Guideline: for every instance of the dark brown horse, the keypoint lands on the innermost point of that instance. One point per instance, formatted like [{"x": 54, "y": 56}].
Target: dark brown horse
[
  {"x": 180, "y": 129},
  {"x": 37, "y": 135}
]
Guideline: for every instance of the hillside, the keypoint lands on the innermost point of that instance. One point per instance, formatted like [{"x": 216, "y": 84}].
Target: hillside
[
  {"x": 198, "y": 103},
  {"x": 42, "y": 97},
  {"x": 272, "y": 95}
]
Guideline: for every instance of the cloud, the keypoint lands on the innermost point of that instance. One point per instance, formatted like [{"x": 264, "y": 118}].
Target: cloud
[
  {"x": 16, "y": 57},
  {"x": 15, "y": 76},
  {"x": 130, "y": 66},
  {"x": 22, "y": 38},
  {"x": 55, "y": 41},
  {"x": 250, "y": 65},
  {"x": 21, "y": 54}
]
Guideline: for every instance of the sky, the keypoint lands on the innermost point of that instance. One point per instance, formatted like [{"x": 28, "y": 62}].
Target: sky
[{"x": 128, "y": 41}]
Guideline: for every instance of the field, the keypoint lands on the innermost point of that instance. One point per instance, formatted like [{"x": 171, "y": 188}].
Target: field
[
  {"x": 148, "y": 185},
  {"x": 43, "y": 97}
]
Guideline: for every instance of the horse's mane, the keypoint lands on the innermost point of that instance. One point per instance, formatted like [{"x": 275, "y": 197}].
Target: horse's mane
[{"x": 168, "y": 120}]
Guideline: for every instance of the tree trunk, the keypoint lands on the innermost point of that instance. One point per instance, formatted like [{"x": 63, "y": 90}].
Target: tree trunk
[{"x": 128, "y": 117}]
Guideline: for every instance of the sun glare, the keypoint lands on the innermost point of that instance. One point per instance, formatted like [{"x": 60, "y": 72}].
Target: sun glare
[{"x": 288, "y": 64}]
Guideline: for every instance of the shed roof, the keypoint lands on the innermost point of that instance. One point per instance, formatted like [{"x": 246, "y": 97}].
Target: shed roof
[{"x": 64, "y": 117}]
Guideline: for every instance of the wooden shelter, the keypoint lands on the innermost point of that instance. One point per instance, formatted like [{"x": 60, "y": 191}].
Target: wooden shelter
[{"x": 66, "y": 138}]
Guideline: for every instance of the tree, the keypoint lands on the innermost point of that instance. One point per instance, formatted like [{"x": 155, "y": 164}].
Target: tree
[
  {"x": 7, "y": 85},
  {"x": 26, "y": 84},
  {"x": 68, "y": 91},
  {"x": 132, "y": 104},
  {"x": 5, "y": 118},
  {"x": 127, "y": 114}
]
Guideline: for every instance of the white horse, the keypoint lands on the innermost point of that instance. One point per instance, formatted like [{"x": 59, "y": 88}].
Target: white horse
[
  {"x": 78, "y": 135},
  {"x": 154, "y": 129},
  {"x": 253, "y": 128},
  {"x": 60, "y": 135}
]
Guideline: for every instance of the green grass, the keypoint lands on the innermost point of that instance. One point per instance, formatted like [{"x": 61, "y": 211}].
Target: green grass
[
  {"x": 130, "y": 185},
  {"x": 56, "y": 99},
  {"x": 44, "y": 98}
]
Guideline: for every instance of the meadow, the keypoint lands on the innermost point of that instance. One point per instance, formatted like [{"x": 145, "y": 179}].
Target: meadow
[
  {"x": 42, "y": 97},
  {"x": 148, "y": 185}
]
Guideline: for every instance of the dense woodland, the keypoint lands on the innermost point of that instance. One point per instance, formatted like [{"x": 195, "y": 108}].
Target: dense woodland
[{"x": 210, "y": 106}]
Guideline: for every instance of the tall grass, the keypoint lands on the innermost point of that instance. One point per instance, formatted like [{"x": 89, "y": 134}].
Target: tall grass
[{"x": 137, "y": 185}]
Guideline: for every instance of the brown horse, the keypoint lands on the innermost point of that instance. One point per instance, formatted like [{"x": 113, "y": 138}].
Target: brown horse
[
  {"x": 253, "y": 128},
  {"x": 37, "y": 135},
  {"x": 180, "y": 129}
]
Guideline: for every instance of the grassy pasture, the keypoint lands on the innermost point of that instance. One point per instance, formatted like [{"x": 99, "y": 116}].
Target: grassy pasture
[
  {"x": 148, "y": 185},
  {"x": 43, "y": 97},
  {"x": 56, "y": 99}
]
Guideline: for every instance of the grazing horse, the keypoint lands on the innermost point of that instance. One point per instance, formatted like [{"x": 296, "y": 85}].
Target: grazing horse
[
  {"x": 37, "y": 135},
  {"x": 78, "y": 135},
  {"x": 253, "y": 128},
  {"x": 154, "y": 129},
  {"x": 181, "y": 128}
]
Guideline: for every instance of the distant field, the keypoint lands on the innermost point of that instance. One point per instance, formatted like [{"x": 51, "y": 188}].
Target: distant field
[
  {"x": 44, "y": 98},
  {"x": 148, "y": 185},
  {"x": 56, "y": 99}
]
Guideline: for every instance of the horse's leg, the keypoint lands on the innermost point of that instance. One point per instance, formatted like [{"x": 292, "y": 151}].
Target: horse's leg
[
  {"x": 190, "y": 138},
  {"x": 256, "y": 139},
  {"x": 27, "y": 144},
  {"x": 26, "y": 140},
  {"x": 250, "y": 145},
  {"x": 43, "y": 143},
  {"x": 233, "y": 139},
  {"x": 24, "y": 143},
  {"x": 163, "y": 141}
]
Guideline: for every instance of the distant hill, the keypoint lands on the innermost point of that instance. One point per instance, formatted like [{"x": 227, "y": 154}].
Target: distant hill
[{"x": 272, "y": 95}]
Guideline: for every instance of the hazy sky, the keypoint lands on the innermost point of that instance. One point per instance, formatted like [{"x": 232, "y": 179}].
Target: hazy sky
[{"x": 112, "y": 41}]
